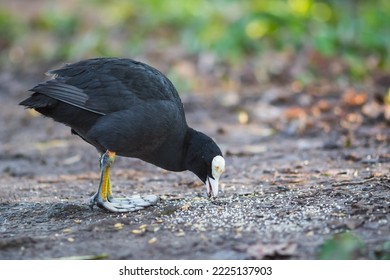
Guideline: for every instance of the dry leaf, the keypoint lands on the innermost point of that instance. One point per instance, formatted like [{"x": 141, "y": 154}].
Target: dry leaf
[
  {"x": 354, "y": 98},
  {"x": 295, "y": 113},
  {"x": 260, "y": 251}
]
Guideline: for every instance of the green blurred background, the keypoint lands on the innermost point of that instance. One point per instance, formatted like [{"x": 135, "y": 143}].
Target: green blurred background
[{"x": 247, "y": 41}]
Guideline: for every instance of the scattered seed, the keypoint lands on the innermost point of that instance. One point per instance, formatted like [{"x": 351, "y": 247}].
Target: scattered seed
[
  {"x": 152, "y": 240},
  {"x": 119, "y": 226},
  {"x": 143, "y": 227},
  {"x": 310, "y": 233},
  {"x": 137, "y": 231},
  {"x": 180, "y": 233},
  {"x": 185, "y": 207}
]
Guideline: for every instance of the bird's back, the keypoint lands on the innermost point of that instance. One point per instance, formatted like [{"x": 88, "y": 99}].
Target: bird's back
[
  {"x": 124, "y": 93},
  {"x": 101, "y": 86},
  {"x": 106, "y": 85}
]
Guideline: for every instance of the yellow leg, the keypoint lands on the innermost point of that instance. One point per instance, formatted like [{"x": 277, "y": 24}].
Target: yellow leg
[
  {"x": 103, "y": 198},
  {"x": 109, "y": 191},
  {"x": 105, "y": 189}
]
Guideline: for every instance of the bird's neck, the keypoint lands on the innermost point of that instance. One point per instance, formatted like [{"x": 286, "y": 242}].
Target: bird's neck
[
  {"x": 170, "y": 155},
  {"x": 192, "y": 147}
]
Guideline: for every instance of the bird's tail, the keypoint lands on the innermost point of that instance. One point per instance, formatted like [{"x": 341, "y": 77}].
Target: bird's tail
[{"x": 37, "y": 101}]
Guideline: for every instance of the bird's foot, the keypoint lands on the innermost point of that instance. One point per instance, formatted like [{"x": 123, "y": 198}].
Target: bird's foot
[{"x": 126, "y": 204}]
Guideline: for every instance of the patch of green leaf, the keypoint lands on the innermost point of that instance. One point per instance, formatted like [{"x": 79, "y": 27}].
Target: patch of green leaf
[
  {"x": 342, "y": 246},
  {"x": 383, "y": 252},
  {"x": 351, "y": 31},
  {"x": 11, "y": 27}
]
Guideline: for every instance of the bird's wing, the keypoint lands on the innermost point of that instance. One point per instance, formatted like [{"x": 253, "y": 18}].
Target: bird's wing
[
  {"x": 65, "y": 93},
  {"x": 108, "y": 85}
]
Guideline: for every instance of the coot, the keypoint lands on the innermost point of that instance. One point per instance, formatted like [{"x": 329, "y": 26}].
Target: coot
[{"x": 127, "y": 108}]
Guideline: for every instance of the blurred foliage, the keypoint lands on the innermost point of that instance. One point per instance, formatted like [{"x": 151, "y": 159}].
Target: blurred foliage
[
  {"x": 342, "y": 246},
  {"x": 383, "y": 252},
  {"x": 351, "y": 31},
  {"x": 348, "y": 246}
]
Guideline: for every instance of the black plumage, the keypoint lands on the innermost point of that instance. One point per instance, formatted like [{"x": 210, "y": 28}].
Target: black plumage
[{"x": 130, "y": 109}]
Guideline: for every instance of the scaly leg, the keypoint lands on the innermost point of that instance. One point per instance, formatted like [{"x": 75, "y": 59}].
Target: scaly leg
[{"x": 104, "y": 199}]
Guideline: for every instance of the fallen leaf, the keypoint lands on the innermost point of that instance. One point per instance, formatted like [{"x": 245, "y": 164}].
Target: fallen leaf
[
  {"x": 295, "y": 113},
  {"x": 387, "y": 112},
  {"x": 43, "y": 146},
  {"x": 372, "y": 110},
  {"x": 71, "y": 160},
  {"x": 260, "y": 251},
  {"x": 354, "y": 98},
  {"x": 246, "y": 150}
]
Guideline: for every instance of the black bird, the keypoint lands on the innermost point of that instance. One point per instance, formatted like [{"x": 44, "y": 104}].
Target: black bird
[{"x": 127, "y": 108}]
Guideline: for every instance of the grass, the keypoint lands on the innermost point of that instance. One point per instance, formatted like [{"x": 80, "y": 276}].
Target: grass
[{"x": 353, "y": 32}]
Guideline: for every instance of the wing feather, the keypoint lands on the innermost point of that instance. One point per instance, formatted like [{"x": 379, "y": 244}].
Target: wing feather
[
  {"x": 66, "y": 93},
  {"x": 108, "y": 85}
]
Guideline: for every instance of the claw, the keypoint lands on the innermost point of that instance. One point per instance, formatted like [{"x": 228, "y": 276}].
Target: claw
[{"x": 126, "y": 204}]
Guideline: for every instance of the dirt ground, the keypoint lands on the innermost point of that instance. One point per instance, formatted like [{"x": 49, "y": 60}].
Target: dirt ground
[{"x": 295, "y": 178}]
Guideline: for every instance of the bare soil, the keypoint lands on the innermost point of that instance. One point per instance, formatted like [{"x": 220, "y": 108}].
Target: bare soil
[{"x": 294, "y": 179}]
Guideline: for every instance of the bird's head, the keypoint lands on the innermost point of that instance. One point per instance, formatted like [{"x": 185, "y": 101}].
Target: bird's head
[{"x": 204, "y": 158}]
